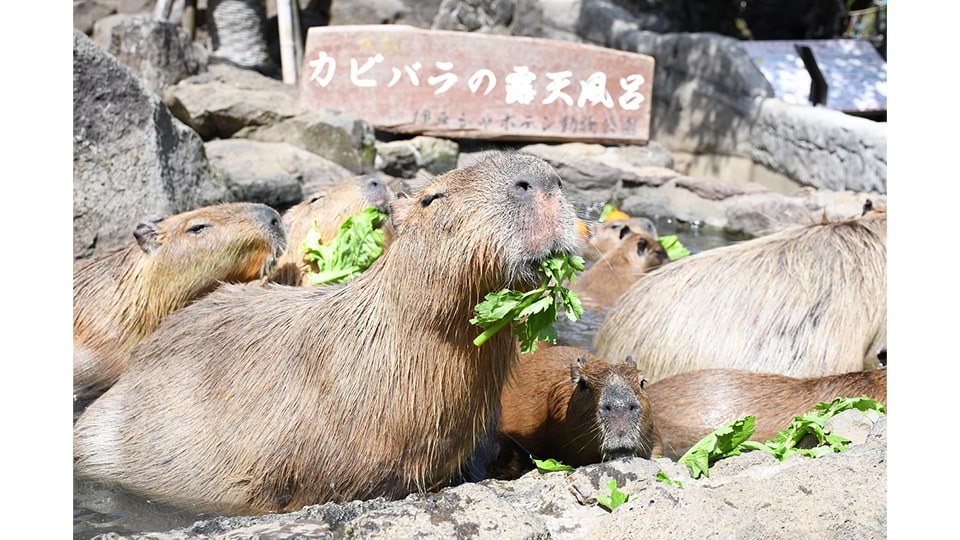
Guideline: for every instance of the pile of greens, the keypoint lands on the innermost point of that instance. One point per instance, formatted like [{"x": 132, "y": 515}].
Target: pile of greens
[
  {"x": 534, "y": 311},
  {"x": 731, "y": 438},
  {"x": 358, "y": 243}
]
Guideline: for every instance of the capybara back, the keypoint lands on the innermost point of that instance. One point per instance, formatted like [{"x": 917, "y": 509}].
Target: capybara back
[{"x": 807, "y": 301}]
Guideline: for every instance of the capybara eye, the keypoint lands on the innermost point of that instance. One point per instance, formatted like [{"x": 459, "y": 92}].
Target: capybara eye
[
  {"x": 198, "y": 228},
  {"x": 316, "y": 198},
  {"x": 425, "y": 202}
]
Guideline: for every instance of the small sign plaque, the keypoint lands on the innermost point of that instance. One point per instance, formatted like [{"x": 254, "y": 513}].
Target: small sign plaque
[{"x": 479, "y": 86}]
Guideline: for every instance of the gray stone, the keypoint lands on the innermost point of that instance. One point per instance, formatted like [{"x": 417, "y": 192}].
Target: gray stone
[
  {"x": 132, "y": 159},
  {"x": 160, "y": 53},
  {"x": 87, "y": 12},
  {"x": 438, "y": 155},
  {"x": 278, "y": 174},
  {"x": 226, "y": 99},
  {"x": 398, "y": 158},
  {"x": 339, "y": 137}
]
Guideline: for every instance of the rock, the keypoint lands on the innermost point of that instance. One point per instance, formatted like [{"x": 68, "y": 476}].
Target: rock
[
  {"x": 278, "y": 174},
  {"x": 160, "y": 53},
  {"x": 226, "y": 99},
  {"x": 132, "y": 159}
]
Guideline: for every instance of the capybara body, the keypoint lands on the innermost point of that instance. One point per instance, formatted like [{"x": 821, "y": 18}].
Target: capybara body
[
  {"x": 619, "y": 268},
  {"x": 327, "y": 209},
  {"x": 689, "y": 406},
  {"x": 566, "y": 404},
  {"x": 604, "y": 235},
  {"x": 807, "y": 301},
  {"x": 122, "y": 296},
  {"x": 261, "y": 399}
]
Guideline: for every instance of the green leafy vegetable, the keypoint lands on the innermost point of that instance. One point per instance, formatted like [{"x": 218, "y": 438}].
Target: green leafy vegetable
[
  {"x": 675, "y": 250},
  {"x": 731, "y": 438},
  {"x": 535, "y": 311},
  {"x": 607, "y": 208},
  {"x": 662, "y": 477},
  {"x": 615, "y": 499},
  {"x": 723, "y": 442},
  {"x": 784, "y": 444},
  {"x": 550, "y": 465},
  {"x": 358, "y": 243}
]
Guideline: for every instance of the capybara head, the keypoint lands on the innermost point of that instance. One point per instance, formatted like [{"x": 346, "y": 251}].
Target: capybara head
[
  {"x": 121, "y": 296},
  {"x": 608, "y": 401},
  {"x": 373, "y": 388},
  {"x": 606, "y": 234},
  {"x": 326, "y": 210},
  {"x": 617, "y": 269}
]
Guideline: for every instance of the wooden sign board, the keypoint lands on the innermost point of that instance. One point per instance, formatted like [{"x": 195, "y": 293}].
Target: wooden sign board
[
  {"x": 855, "y": 73},
  {"x": 478, "y": 86}
]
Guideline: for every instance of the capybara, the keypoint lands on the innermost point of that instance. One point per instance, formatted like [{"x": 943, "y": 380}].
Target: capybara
[
  {"x": 604, "y": 235},
  {"x": 689, "y": 406},
  {"x": 807, "y": 301},
  {"x": 122, "y": 296},
  {"x": 327, "y": 209},
  {"x": 619, "y": 268},
  {"x": 566, "y": 404},
  {"x": 266, "y": 399}
]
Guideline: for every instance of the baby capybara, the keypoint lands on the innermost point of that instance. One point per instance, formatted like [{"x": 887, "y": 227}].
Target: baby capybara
[
  {"x": 266, "y": 399},
  {"x": 689, "y": 406},
  {"x": 566, "y": 404},
  {"x": 122, "y": 296},
  {"x": 807, "y": 301},
  {"x": 327, "y": 209},
  {"x": 604, "y": 235},
  {"x": 619, "y": 268}
]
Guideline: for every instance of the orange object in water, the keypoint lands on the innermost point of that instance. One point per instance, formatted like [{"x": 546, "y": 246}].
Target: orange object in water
[
  {"x": 616, "y": 214},
  {"x": 583, "y": 229}
]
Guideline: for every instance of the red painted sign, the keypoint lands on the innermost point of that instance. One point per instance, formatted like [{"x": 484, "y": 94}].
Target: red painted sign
[{"x": 479, "y": 86}]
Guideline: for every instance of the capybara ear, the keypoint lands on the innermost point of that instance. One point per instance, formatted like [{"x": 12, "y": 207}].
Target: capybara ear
[
  {"x": 398, "y": 211},
  {"x": 642, "y": 245},
  {"x": 629, "y": 359},
  {"x": 148, "y": 236},
  {"x": 624, "y": 231},
  {"x": 575, "y": 367}
]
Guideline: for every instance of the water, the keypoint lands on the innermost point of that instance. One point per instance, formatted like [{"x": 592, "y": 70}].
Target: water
[{"x": 102, "y": 509}]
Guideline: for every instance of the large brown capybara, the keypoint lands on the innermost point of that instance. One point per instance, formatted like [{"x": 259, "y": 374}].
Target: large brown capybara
[
  {"x": 619, "y": 268},
  {"x": 689, "y": 406},
  {"x": 327, "y": 209},
  {"x": 266, "y": 399},
  {"x": 604, "y": 235},
  {"x": 566, "y": 404},
  {"x": 122, "y": 296},
  {"x": 807, "y": 301}
]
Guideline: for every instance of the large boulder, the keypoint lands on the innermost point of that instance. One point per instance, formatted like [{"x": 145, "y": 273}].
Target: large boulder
[{"x": 132, "y": 159}]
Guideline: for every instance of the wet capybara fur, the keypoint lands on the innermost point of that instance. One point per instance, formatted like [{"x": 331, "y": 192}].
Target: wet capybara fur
[
  {"x": 326, "y": 210},
  {"x": 604, "y": 235},
  {"x": 566, "y": 404},
  {"x": 806, "y": 301},
  {"x": 266, "y": 399},
  {"x": 689, "y": 406},
  {"x": 122, "y": 296},
  {"x": 614, "y": 272}
]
